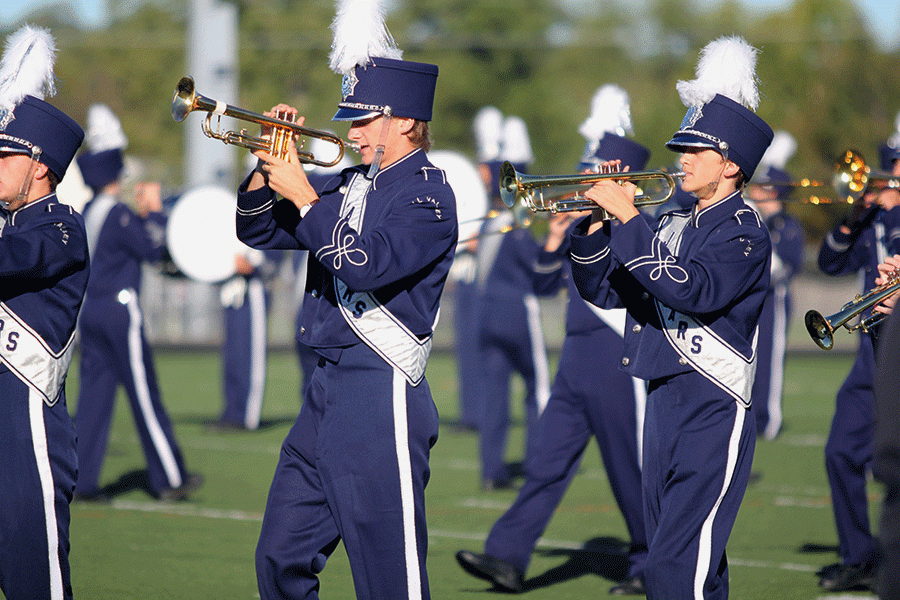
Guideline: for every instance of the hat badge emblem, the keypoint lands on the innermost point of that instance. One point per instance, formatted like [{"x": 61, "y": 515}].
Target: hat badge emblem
[
  {"x": 348, "y": 85},
  {"x": 693, "y": 114},
  {"x": 6, "y": 117}
]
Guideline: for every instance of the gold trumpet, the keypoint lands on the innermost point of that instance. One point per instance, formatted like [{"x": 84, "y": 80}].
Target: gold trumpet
[
  {"x": 283, "y": 133},
  {"x": 532, "y": 190},
  {"x": 821, "y": 329}
]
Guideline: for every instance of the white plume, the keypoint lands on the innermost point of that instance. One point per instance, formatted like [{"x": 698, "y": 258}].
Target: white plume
[
  {"x": 104, "y": 131},
  {"x": 360, "y": 33},
  {"x": 27, "y": 66},
  {"x": 610, "y": 113},
  {"x": 780, "y": 151},
  {"x": 488, "y": 128},
  {"x": 516, "y": 145},
  {"x": 726, "y": 66}
]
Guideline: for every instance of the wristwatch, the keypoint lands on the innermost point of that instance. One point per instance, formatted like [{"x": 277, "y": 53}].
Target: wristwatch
[{"x": 305, "y": 208}]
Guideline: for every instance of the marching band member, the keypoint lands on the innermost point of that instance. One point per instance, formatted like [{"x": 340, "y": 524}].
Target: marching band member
[
  {"x": 246, "y": 298},
  {"x": 767, "y": 193},
  {"x": 381, "y": 238},
  {"x": 857, "y": 245},
  {"x": 114, "y": 347},
  {"x": 44, "y": 266},
  {"x": 600, "y": 400},
  {"x": 693, "y": 287},
  {"x": 510, "y": 338}
]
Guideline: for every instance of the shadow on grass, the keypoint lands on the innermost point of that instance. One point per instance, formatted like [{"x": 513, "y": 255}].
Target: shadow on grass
[
  {"x": 603, "y": 556},
  {"x": 606, "y": 557}
]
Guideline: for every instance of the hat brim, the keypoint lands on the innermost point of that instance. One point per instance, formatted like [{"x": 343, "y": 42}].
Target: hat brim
[
  {"x": 353, "y": 114},
  {"x": 10, "y": 147},
  {"x": 684, "y": 140}
]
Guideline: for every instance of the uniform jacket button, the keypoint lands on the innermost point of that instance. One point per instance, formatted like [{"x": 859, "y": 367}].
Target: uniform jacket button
[
  {"x": 302, "y": 330},
  {"x": 645, "y": 296},
  {"x": 625, "y": 361},
  {"x": 314, "y": 294},
  {"x": 682, "y": 361},
  {"x": 636, "y": 328}
]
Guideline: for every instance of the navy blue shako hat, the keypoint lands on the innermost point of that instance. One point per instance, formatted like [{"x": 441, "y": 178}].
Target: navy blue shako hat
[
  {"x": 721, "y": 102},
  {"x": 103, "y": 161},
  {"x": 615, "y": 147},
  {"x": 404, "y": 87},
  {"x": 722, "y": 124},
  {"x": 776, "y": 178},
  {"x": 39, "y": 129}
]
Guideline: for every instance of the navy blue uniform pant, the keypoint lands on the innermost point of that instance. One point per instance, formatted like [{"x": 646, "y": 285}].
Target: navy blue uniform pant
[
  {"x": 698, "y": 449},
  {"x": 114, "y": 351},
  {"x": 510, "y": 341},
  {"x": 38, "y": 466},
  {"x": 353, "y": 468},
  {"x": 848, "y": 456},
  {"x": 598, "y": 401},
  {"x": 771, "y": 346},
  {"x": 244, "y": 357},
  {"x": 465, "y": 328}
]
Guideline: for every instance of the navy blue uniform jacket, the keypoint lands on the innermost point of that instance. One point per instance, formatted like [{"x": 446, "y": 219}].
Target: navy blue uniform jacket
[{"x": 694, "y": 288}]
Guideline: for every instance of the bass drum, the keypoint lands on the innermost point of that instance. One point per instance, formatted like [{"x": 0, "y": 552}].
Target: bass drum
[
  {"x": 468, "y": 187},
  {"x": 200, "y": 234}
]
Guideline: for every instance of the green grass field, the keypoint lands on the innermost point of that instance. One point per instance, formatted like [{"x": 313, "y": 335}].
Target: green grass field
[{"x": 203, "y": 549}]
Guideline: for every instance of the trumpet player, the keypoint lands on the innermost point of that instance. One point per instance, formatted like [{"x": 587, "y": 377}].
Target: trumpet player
[
  {"x": 858, "y": 244},
  {"x": 598, "y": 401},
  {"x": 381, "y": 238},
  {"x": 693, "y": 286}
]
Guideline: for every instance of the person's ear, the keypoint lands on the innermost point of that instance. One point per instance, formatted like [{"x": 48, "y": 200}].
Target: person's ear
[
  {"x": 731, "y": 169},
  {"x": 406, "y": 125},
  {"x": 41, "y": 171}
]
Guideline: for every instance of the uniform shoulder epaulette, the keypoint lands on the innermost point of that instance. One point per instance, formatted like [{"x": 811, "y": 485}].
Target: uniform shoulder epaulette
[{"x": 57, "y": 207}]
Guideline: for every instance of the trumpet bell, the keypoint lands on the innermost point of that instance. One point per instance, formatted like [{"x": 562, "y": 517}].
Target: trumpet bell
[
  {"x": 819, "y": 329},
  {"x": 851, "y": 176}
]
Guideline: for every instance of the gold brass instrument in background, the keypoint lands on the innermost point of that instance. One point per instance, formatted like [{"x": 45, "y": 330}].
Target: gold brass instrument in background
[
  {"x": 821, "y": 329},
  {"x": 852, "y": 177},
  {"x": 187, "y": 100},
  {"x": 553, "y": 193}
]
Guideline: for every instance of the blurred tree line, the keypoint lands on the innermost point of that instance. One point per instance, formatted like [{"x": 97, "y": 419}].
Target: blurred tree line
[{"x": 822, "y": 77}]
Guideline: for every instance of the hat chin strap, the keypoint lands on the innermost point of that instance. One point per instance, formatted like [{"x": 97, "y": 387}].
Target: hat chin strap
[
  {"x": 379, "y": 149},
  {"x": 22, "y": 196}
]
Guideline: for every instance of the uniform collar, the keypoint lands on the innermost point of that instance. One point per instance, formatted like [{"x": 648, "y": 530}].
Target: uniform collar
[
  {"x": 721, "y": 210},
  {"x": 409, "y": 164},
  {"x": 32, "y": 208}
]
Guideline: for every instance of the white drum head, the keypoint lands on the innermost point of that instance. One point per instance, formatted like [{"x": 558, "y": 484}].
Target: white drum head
[
  {"x": 469, "y": 189},
  {"x": 201, "y": 234}
]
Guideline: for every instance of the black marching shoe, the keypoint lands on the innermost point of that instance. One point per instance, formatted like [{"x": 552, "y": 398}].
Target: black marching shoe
[
  {"x": 848, "y": 577},
  {"x": 484, "y": 566},
  {"x": 629, "y": 587}
]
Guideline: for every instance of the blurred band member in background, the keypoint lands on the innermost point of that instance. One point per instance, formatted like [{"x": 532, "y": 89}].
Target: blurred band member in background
[
  {"x": 767, "y": 193},
  {"x": 599, "y": 399},
  {"x": 857, "y": 245},
  {"x": 114, "y": 347},
  {"x": 381, "y": 238},
  {"x": 44, "y": 267},
  {"x": 510, "y": 335},
  {"x": 246, "y": 298},
  {"x": 694, "y": 287}
]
